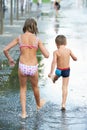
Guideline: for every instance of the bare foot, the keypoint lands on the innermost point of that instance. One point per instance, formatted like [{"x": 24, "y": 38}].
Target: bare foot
[
  {"x": 52, "y": 78},
  {"x": 23, "y": 116},
  {"x": 63, "y": 107},
  {"x": 49, "y": 75},
  {"x": 42, "y": 102}
]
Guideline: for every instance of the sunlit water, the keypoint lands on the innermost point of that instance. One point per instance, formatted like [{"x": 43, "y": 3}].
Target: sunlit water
[{"x": 72, "y": 22}]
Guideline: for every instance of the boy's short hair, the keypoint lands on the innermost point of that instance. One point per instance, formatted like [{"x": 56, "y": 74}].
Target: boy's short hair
[{"x": 60, "y": 40}]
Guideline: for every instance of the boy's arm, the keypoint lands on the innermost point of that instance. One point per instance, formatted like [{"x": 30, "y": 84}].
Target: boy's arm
[
  {"x": 54, "y": 61},
  {"x": 73, "y": 56}
]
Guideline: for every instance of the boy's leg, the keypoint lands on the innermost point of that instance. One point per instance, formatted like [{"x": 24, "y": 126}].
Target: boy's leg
[
  {"x": 34, "y": 82},
  {"x": 64, "y": 90},
  {"x": 53, "y": 77},
  {"x": 23, "y": 87}
]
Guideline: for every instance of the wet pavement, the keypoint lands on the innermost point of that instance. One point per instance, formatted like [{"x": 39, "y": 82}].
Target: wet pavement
[{"x": 71, "y": 22}]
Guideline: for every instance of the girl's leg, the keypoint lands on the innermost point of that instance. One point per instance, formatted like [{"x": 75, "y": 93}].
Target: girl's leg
[
  {"x": 23, "y": 87},
  {"x": 34, "y": 82},
  {"x": 64, "y": 90}
]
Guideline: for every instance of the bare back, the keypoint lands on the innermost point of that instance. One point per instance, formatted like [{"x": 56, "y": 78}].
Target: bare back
[
  {"x": 28, "y": 47},
  {"x": 63, "y": 58}
]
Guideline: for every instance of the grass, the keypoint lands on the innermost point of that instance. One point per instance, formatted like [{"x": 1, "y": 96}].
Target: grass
[{"x": 43, "y": 1}]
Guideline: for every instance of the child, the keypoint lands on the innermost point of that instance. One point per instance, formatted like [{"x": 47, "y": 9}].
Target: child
[
  {"x": 28, "y": 43},
  {"x": 57, "y": 6},
  {"x": 61, "y": 58}
]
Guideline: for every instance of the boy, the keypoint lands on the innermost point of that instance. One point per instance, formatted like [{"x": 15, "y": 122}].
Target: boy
[{"x": 61, "y": 58}]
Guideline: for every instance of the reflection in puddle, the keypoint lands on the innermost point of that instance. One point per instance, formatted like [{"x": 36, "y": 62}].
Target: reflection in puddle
[{"x": 56, "y": 25}]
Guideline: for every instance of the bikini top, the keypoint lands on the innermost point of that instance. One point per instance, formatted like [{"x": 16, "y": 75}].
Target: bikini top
[{"x": 34, "y": 45}]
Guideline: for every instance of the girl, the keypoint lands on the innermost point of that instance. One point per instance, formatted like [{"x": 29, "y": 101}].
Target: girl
[{"x": 28, "y": 43}]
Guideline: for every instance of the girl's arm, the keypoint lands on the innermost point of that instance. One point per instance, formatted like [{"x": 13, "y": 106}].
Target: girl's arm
[
  {"x": 6, "y": 51},
  {"x": 53, "y": 64},
  {"x": 43, "y": 49}
]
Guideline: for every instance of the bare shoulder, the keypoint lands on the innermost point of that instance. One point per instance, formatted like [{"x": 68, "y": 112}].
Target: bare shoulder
[
  {"x": 39, "y": 41},
  {"x": 68, "y": 50},
  {"x": 56, "y": 52},
  {"x": 15, "y": 41}
]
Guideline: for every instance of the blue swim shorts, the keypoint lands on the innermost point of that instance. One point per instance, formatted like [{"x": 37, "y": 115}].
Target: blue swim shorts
[{"x": 62, "y": 72}]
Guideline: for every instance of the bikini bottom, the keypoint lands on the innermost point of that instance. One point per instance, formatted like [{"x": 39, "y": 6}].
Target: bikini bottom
[{"x": 28, "y": 70}]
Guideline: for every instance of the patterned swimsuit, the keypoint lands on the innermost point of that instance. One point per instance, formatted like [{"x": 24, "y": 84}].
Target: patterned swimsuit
[{"x": 26, "y": 69}]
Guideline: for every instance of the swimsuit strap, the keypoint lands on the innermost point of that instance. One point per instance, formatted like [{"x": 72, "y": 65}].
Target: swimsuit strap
[
  {"x": 26, "y": 45},
  {"x": 20, "y": 40}
]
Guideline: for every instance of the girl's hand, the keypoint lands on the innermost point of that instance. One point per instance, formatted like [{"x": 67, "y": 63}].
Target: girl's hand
[{"x": 12, "y": 63}]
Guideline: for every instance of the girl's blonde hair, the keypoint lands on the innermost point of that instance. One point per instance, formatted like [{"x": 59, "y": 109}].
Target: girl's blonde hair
[
  {"x": 60, "y": 40},
  {"x": 30, "y": 25}
]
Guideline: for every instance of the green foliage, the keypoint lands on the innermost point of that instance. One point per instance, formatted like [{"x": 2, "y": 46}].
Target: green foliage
[
  {"x": 43, "y": 1},
  {"x": 13, "y": 78}
]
